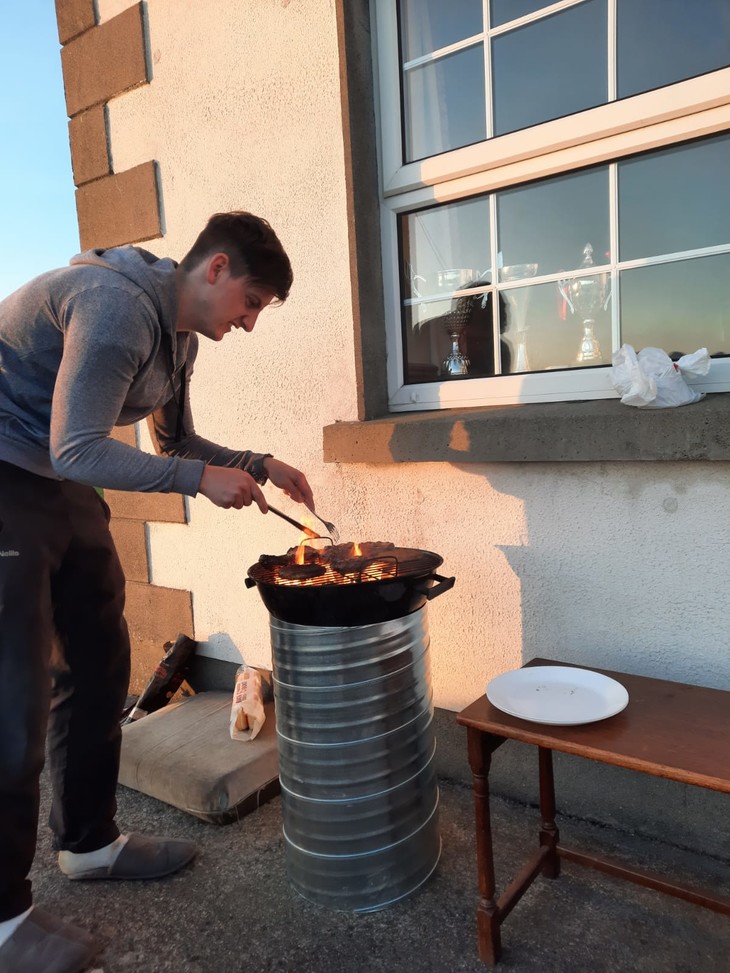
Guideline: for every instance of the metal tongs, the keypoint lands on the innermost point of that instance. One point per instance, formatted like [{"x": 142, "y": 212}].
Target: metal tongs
[
  {"x": 332, "y": 530},
  {"x": 295, "y": 523}
]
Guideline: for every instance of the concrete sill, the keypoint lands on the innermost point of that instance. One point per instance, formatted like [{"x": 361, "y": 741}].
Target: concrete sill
[{"x": 557, "y": 432}]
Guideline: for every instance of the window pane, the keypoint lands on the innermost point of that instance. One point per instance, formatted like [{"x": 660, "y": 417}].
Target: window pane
[
  {"x": 449, "y": 340},
  {"x": 663, "y": 41},
  {"x": 542, "y": 330},
  {"x": 502, "y": 11},
  {"x": 679, "y": 306},
  {"x": 675, "y": 200},
  {"x": 444, "y": 104},
  {"x": 429, "y": 25},
  {"x": 550, "y": 68},
  {"x": 550, "y": 222},
  {"x": 445, "y": 249}
]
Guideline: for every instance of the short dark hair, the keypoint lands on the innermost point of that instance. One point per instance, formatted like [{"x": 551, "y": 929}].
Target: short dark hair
[{"x": 252, "y": 247}]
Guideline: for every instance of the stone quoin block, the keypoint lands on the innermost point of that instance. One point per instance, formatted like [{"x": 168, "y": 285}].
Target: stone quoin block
[
  {"x": 105, "y": 61},
  {"x": 154, "y": 615},
  {"x": 89, "y": 145},
  {"x": 73, "y": 18},
  {"x": 119, "y": 209},
  {"x": 130, "y": 539},
  {"x": 166, "y": 508}
]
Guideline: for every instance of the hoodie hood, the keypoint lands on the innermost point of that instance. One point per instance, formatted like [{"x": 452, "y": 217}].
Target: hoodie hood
[{"x": 151, "y": 273}]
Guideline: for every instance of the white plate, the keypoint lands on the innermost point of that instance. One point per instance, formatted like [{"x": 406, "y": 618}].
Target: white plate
[{"x": 557, "y": 695}]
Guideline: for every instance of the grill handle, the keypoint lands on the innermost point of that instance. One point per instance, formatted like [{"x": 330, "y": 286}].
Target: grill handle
[{"x": 434, "y": 590}]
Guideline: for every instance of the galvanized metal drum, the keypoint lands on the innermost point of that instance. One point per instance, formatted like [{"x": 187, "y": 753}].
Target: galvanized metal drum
[{"x": 354, "y": 719}]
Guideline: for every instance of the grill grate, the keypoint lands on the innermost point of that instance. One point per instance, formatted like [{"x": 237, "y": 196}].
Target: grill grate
[{"x": 398, "y": 563}]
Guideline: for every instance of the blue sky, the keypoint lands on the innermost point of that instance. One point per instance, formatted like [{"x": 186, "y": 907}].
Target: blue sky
[{"x": 38, "y": 228}]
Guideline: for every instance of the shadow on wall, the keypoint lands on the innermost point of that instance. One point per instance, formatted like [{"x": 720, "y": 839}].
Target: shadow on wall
[
  {"x": 615, "y": 574},
  {"x": 614, "y": 571},
  {"x": 450, "y": 440}
]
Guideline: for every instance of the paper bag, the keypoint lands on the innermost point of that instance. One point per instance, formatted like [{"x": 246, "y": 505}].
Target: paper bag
[{"x": 247, "y": 707}]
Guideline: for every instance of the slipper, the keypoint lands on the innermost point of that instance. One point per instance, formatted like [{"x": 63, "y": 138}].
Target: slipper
[
  {"x": 44, "y": 944},
  {"x": 143, "y": 857}
]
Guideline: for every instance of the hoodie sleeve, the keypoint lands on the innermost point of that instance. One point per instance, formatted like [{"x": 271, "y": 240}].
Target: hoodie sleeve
[
  {"x": 109, "y": 336},
  {"x": 164, "y": 424}
]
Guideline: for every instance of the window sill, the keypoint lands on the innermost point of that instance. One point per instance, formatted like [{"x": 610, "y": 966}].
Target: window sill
[{"x": 556, "y": 432}]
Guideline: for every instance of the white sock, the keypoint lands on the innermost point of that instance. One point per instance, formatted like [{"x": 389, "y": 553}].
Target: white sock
[
  {"x": 8, "y": 927},
  {"x": 71, "y": 862}
]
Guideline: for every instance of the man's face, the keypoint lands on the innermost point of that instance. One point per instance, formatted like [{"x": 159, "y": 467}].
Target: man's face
[{"x": 230, "y": 302}]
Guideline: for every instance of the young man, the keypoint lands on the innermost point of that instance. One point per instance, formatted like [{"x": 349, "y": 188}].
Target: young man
[{"x": 106, "y": 341}]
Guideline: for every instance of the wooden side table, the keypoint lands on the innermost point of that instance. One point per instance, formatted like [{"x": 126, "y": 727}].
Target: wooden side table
[{"x": 668, "y": 729}]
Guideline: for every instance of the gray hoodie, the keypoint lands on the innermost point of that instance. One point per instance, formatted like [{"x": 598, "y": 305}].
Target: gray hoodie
[{"x": 92, "y": 346}]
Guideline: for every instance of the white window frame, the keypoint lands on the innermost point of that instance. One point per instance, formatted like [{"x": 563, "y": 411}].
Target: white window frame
[{"x": 660, "y": 118}]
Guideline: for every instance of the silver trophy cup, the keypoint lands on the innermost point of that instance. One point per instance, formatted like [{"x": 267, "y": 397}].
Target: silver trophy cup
[{"x": 586, "y": 296}]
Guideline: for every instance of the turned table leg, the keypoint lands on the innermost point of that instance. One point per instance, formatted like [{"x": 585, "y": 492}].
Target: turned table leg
[
  {"x": 481, "y": 746},
  {"x": 549, "y": 835}
]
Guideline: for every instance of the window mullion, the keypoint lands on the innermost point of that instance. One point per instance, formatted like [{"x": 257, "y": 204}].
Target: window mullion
[
  {"x": 488, "y": 100},
  {"x": 612, "y": 48},
  {"x": 441, "y": 53},
  {"x": 540, "y": 14},
  {"x": 495, "y": 278},
  {"x": 613, "y": 217}
]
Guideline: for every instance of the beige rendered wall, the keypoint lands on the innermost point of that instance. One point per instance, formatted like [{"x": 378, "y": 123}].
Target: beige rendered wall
[{"x": 616, "y": 565}]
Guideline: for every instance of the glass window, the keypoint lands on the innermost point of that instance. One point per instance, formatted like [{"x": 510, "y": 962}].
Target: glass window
[
  {"x": 429, "y": 25},
  {"x": 675, "y": 200},
  {"x": 551, "y": 67},
  {"x": 679, "y": 306},
  {"x": 444, "y": 104},
  {"x": 561, "y": 325},
  {"x": 446, "y": 249},
  {"x": 550, "y": 222},
  {"x": 663, "y": 41},
  {"x": 515, "y": 267},
  {"x": 459, "y": 322}
]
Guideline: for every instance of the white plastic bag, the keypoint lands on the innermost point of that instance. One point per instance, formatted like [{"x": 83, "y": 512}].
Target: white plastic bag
[
  {"x": 247, "y": 707},
  {"x": 651, "y": 380}
]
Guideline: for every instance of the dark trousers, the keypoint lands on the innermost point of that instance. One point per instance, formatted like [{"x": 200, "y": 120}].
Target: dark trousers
[{"x": 64, "y": 671}]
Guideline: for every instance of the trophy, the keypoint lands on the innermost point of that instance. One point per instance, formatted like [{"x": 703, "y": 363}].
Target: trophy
[
  {"x": 518, "y": 299},
  {"x": 587, "y": 296},
  {"x": 455, "y": 321}
]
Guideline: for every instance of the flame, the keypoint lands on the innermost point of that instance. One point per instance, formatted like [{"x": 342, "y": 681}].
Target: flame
[{"x": 375, "y": 569}]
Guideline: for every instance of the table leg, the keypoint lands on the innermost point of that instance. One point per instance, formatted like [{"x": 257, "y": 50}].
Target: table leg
[
  {"x": 488, "y": 920},
  {"x": 549, "y": 834}
]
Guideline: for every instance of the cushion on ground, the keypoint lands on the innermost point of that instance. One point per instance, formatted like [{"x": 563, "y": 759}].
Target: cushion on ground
[{"x": 183, "y": 755}]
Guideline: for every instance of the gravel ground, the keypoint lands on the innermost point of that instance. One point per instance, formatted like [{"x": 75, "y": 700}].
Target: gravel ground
[{"x": 233, "y": 910}]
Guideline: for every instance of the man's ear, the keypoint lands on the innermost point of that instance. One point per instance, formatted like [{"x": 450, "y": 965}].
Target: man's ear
[{"x": 217, "y": 263}]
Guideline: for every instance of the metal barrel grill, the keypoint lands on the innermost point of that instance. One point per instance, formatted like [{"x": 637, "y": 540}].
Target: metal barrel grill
[{"x": 354, "y": 719}]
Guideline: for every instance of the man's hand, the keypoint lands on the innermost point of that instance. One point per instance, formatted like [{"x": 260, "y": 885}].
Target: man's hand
[
  {"x": 292, "y": 482},
  {"x": 230, "y": 487}
]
